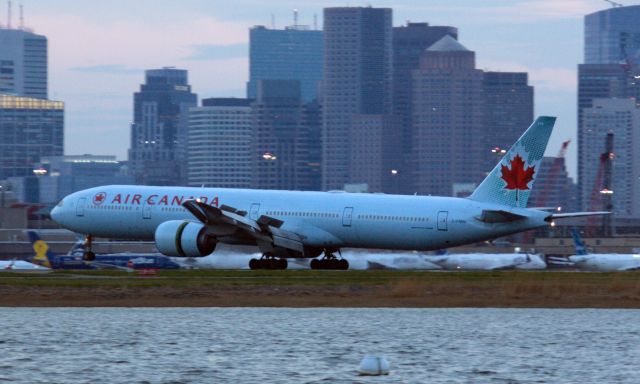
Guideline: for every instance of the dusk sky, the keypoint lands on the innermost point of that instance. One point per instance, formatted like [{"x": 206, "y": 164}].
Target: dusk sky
[{"x": 98, "y": 51}]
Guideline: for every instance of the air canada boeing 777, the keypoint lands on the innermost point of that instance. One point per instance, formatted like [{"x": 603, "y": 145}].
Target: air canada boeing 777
[{"x": 189, "y": 222}]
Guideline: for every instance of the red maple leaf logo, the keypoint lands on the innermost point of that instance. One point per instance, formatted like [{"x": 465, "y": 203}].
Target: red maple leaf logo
[
  {"x": 517, "y": 177},
  {"x": 99, "y": 198}
]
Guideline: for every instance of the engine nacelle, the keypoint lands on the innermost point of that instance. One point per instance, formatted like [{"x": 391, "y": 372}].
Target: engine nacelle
[{"x": 184, "y": 238}]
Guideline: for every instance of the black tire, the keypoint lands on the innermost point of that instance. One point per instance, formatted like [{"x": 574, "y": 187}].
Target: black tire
[
  {"x": 283, "y": 263},
  {"x": 315, "y": 264},
  {"x": 89, "y": 256},
  {"x": 343, "y": 264},
  {"x": 254, "y": 264}
]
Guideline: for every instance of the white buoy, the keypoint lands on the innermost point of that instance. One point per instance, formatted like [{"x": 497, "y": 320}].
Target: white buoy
[{"x": 373, "y": 366}]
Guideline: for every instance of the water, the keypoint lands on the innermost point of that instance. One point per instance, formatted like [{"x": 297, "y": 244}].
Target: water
[{"x": 251, "y": 345}]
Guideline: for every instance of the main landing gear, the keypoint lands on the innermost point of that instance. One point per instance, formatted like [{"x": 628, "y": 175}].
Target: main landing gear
[
  {"x": 88, "y": 252},
  {"x": 268, "y": 261},
  {"x": 330, "y": 261}
]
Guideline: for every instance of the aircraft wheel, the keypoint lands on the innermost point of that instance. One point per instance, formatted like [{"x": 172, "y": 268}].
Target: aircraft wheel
[
  {"x": 89, "y": 256},
  {"x": 315, "y": 264},
  {"x": 283, "y": 263},
  {"x": 254, "y": 264},
  {"x": 343, "y": 264}
]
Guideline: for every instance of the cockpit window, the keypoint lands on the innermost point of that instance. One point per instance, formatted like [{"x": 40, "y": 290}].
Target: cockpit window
[{"x": 60, "y": 203}]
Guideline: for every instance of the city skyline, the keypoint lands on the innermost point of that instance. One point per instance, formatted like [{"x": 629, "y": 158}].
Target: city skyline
[{"x": 98, "y": 52}]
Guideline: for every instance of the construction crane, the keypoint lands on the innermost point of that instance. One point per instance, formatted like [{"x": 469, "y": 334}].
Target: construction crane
[
  {"x": 602, "y": 192},
  {"x": 614, "y": 4}
]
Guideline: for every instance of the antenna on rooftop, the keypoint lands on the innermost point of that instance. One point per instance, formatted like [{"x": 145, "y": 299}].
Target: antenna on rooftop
[
  {"x": 21, "y": 16},
  {"x": 315, "y": 21},
  {"x": 273, "y": 21},
  {"x": 9, "y": 16},
  {"x": 295, "y": 17}
]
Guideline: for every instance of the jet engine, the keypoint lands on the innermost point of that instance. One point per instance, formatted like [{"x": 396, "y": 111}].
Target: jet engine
[{"x": 184, "y": 238}]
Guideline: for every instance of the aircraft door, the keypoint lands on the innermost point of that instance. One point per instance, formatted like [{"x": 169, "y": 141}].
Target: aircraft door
[
  {"x": 80, "y": 206},
  {"x": 347, "y": 215},
  {"x": 146, "y": 211},
  {"x": 254, "y": 211},
  {"x": 442, "y": 220}
]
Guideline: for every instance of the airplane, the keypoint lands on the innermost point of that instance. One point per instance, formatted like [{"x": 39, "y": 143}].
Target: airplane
[
  {"x": 74, "y": 259},
  {"x": 21, "y": 266},
  {"x": 488, "y": 261},
  {"x": 601, "y": 262},
  {"x": 189, "y": 222}
]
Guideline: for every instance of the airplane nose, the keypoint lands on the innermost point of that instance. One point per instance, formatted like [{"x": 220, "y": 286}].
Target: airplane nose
[{"x": 56, "y": 214}]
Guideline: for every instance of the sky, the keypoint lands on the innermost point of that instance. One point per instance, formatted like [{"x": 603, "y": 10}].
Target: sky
[{"x": 98, "y": 51}]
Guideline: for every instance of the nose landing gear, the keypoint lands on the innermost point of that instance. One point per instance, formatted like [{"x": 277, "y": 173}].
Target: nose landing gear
[{"x": 88, "y": 252}]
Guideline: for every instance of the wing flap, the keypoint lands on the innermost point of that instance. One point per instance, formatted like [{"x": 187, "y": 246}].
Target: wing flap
[{"x": 265, "y": 229}]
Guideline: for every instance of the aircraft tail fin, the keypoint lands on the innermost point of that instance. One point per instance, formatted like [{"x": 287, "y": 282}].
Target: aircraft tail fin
[
  {"x": 43, "y": 255},
  {"x": 581, "y": 249},
  {"x": 511, "y": 180}
]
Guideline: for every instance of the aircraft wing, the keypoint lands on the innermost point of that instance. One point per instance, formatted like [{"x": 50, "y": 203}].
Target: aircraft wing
[{"x": 223, "y": 220}]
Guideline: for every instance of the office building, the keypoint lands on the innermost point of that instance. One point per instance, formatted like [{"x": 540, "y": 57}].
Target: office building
[
  {"x": 612, "y": 36},
  {"x": 30, "y": 129},
  {"x": 622, "y": 118},
  {"x": 286, "y": 134},
  {"x": 293, "y": 53},
  {"x": 23, "y": 63},
  {"x": 358, "y": 71},
  {"x": 611, "y": 70},
  {"x": 508, "y": 111},
  {"x": 158, "y": 150},
  {"x": 219, "y": 144},
  {"x": 447, "y": 118},
  {"x": 59, "y": 176},
  {"x": 409, "y": 42}
]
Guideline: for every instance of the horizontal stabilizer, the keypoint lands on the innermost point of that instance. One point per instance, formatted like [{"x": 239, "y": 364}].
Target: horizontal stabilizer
[
  {"x": 577, "y": 214},
  {"x": 499, "y": 216}
]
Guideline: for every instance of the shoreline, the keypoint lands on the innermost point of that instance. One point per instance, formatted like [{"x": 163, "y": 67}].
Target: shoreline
[{"x": 306, "y": 289}]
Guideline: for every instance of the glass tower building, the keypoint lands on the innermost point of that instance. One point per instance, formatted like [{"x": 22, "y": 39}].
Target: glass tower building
[
  {"x": 159, "y": 130},
  {"x": 23, "y": 63},
  {"x": 30, "y": 128},
  {"x": 294, "y": 53},
  {"x": 612, "y": 35}
]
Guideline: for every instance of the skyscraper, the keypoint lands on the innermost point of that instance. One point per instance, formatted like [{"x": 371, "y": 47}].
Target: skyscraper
[
  {"x": 158, "y": 134},
  {"x": 357, "y": 81},
  {"x": 611, "y": 70},
  {"x": 447, "y": 118},
  {"x": 508, "y": 111},
  {"x": 29, "y": 129},
  {"x": 622, "y": 118},
  {"x": 409, "y": 42},
  {"x": 219, "y": 144},
  {"x": 460, "y": 116},
  {"x": 612, "y": 36},
  {"x": 23, "y": 63},
  {"x": 284, "y": 137},
  {"x": 294, "y": 53}
]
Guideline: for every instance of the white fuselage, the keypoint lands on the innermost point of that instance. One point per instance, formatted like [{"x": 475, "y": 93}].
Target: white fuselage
[
  {"x": 487, "y": 261},
  {"x": 322, "y": 219},
  {"x": 606, "y": 262}
]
